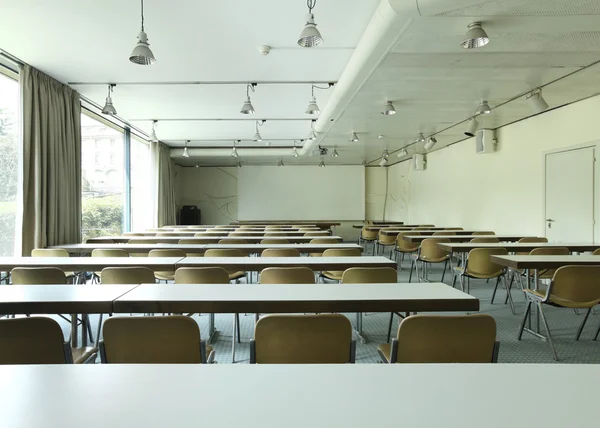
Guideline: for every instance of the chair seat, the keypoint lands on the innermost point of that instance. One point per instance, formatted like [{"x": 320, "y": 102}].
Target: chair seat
[
  {"x": 557, "y": 301},
  {"x": 165, "y": 275},
  {"x": 237, "y": 275},
  {"x": 459, "y": 270},
  {"x": 82, "y": 354},
  {"x": 333, "y": 274},
  {"x": 385, "y": 350}
]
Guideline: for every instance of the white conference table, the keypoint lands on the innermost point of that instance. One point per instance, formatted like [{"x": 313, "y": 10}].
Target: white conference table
[
  {"x": 89, "y": 264},
  {"x": 252, "y": 264},
  {"x": 209, "y": 238},
  {"x": 297, "y": 396}
]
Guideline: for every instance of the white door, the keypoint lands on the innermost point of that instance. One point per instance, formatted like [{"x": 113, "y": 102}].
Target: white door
[{"x": 569, "y": 211}]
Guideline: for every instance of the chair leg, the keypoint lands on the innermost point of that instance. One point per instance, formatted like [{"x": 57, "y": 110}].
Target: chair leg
[
  {"x": 445, "y": 267},
  {"x": 412, "y": 263},
  {"x": 417, "y": 271},
  {"x": 98, "y": 330},
  {"x": 539, "y": 305},
  {"x": 527, "y": 314},
  {"x": 233, "y": 340},
  {"x": 237, "y": 320},
  {"x": 587, "y": 314},
  {"x": 390, "y": 327},
  {"x": 509, "y": 296},
  {"x": 597, "y": 333},
  {"x": 495, "y": 289}
]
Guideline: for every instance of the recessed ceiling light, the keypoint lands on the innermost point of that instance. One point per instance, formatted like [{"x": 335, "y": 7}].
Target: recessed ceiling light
[
  {"x": 389, "y": 109},
  {"x": 310, "y": 36},
  {"x": 476, "y": 37},
  {"x": 142, "y": 55}
]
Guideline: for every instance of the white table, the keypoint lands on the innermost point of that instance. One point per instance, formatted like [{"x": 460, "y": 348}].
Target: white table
[
  {"x": 89, "y": 264},
  {"x": 297, "y": 396},
  {"x": 209, "y": 238},
  {"x": 252, "y": 264}
]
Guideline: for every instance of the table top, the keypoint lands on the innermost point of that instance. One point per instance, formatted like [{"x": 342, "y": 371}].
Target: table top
[
  {"x": 515, "y": 246},
  {"x": 208, "y": 239},
  {"x": 294, "y": 298},
  {"x": 314, "y": 263},
  {"x": 396, "y": 231},
  {"x": 56, "y": 299},
  {"x": 462, "y": 238},
  {"x": 303, "y": 248},
  {"x": 253, "y": 396},
  {"x": 89, "y": 263},
  {"x": 377, "y": 226},
  {"x": 545, "y": 262}
]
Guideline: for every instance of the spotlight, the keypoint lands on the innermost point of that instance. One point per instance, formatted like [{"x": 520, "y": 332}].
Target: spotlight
[
  {"x": 384, "y": 159},
  {"x": 312, "y": 108},
  {"x": 537, "y": 101},
  {"x": 476, "y": 37},
  {"x": 234, "y": 153},
  {"x": 295, "y": 152},
  {"x": 310, "y": 36},
  {"x": 354, "y": 138},
  {"x": 322, "y": 164},
  {"x": 108, "y": 108},
  {"x": 472, "y": 127},
  {"x": 142, "y": 55},
  {"x": 484, "y": 108},
  {"x": 335, "y": 153},
  {"x": 389, "y": 109},
  {"x": 280, "y": 163},
  {"x": 185, "y": 150},
  {"x": 153, "y": 137},
  {"x": 402, "y": 153},
  {"x": 430, "y": 143},
  {"x": 257, "y": 136},
  {"x": 312, "y": 135},
  {"x": 248, "y": 108},
  {"x": 420, "y": 138}
]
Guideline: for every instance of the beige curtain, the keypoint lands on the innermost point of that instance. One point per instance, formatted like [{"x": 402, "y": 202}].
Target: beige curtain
[
  {"x": 164, "y": 185},
  {"x": 51, "y": 130}
]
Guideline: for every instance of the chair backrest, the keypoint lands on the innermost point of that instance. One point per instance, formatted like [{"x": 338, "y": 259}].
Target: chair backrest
[
  {"x": 232, "y": 241},
  {"x": 479, "y": 264},
  {"x": 368, "y": 234},
  {"x": 224, "y": 226},
  {"x": 359, "y": 275},
  {"x": 274, "y": 241},
  {"x": 431, "y": 252},
  {"x": 576, "y": 286},
  {"x": 405, "y": 246},
  {"x": 142, "y": 241},
  {"x": 548, "y": 251},
  {"x": 386, "y": 239},
  {"x": 191, "y": 241},
  {"x": 35, "y": 340},
  {"x": 342, "y": 252},
  {"x": 41, "y": 275},
  {"x": 287, "y": 275},
  {"x": 103, "y": 241},
  {"x": 167, "y": 253},
  {"x": 453, "y": 228},
  {"x": 49, "y": 252},
  {"x": 223, "y": 252},
  {"x": 127, "y": 275},
  {"x": 132, "y": 234},
  {"x": 273, "y": 227},
  {"x": 280, "y": 252},
  {"x": 282, "y": 234},
  {"x": 444, "y": 233},
  {"x": 315, "y": 233},
  {"x": 490, "y": 240},
  {"x": 533, "y": 239},
  {"x": 151, "y": 340},
  {"x": 201, "y": 275},
  {"x": 596, "y": 252},
  {"x": 482, "y": 232},
  {"x": 325, "y": 241},
  {"x": 303, "y": 339},
  {"x": 447, "y": 339},
  {"x": 101, "y": 252}
]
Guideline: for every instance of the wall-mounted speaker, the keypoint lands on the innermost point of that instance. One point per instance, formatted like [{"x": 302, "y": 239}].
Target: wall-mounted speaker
[
  {"x": 485, "y": 141},
  {"x": 418, "y": 162}
]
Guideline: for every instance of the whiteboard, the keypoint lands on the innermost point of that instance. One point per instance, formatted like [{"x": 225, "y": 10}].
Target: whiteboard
[{"x": 301, "y": 193}]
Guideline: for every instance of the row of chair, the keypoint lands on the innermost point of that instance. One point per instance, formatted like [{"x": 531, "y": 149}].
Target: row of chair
[{"x": 278, "y": 339}]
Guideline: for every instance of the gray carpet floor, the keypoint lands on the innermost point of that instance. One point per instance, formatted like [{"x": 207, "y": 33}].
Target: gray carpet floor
[{"x": 563, "y": 324}]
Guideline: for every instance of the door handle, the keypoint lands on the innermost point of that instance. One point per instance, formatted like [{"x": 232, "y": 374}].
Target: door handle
[{"x": 549, "y": 220}]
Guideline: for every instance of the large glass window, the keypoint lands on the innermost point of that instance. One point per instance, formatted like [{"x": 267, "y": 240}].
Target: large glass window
[
  {"x": 102, "y": 181},
  {"x": 9, "y": 162},
  {"x": 141, "y": 187}
]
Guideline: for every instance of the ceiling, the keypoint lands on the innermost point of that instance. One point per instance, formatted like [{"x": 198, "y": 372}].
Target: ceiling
[{"x": 374, "y": 51}]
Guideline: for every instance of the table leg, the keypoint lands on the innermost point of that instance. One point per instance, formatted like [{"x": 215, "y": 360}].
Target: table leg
[
  {"x": 212, "y": 331},
  {"x": 74, "y": 331},
  {"x": 537, "y": 312}
]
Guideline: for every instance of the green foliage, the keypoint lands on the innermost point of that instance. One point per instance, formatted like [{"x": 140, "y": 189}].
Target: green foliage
[
  {"x": 7, "y": 233},
  {"x": 9, "y": 159},
  {"x": 101, "y": 216}
]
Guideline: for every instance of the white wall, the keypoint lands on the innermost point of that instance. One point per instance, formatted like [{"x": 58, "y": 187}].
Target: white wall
[
  {"x": 396, "y": 204},
  {"x": 501, "y": 191}
]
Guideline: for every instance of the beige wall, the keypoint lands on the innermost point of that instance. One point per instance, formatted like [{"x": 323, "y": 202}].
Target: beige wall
[
  {"x": 501, "y": 191},
  {"x": 396, "y": 205}
]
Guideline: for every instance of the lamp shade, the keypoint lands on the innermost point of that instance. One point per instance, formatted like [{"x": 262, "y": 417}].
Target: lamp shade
[{"x": 142, "y": 55}]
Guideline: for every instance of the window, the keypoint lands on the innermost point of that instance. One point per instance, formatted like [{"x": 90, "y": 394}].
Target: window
[
  {"x": 141, "y": 188},
  {"x": 102, "y": 178},
  {"x": 9, "y": 162}
]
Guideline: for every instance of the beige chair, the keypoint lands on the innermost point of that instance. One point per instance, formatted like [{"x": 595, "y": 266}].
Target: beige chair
[
  {"x": 103, "y": 241},
  {"x": 384, "y": 241},
  {"x": 153, "y": 340},
  {"x": 317, "y": 233},
  {"x": 429, "y": 253},
  {"x": 489, "y": 240},
  {"x": 192, "y": 241},
  {"x": 127, "y": 275},
  {"x": 483, "y": 232},
  {"x": 98, "y": 252},
  {"x": 287, "y": 275},
  {"x": 274, "y": 241},
  {"x": 233, "y": 275},
  {"x": 444, "y": 233},
  {"x": 280, "y": 252},
  {"x": 201, "y": 275},
  {"x": 132, "y": 234},
  {"x": 453, "y": 228},
  {"x": 336, "y": 275},
  {"x": 323, "y": 241},
  {"x": 273, "y": 227},
  {"x": 56, "y": 252},
  {"x": 443, "y": 339},
  {"x": 303, "y": 339},
  {"x": 479, "y": 266},
  {"x": 367, "y": 236},
  {"x": 233, "y": 241},
  {"x": 141, "y": 242},
  {"x": 166, "y": 275},
  {"x": 272, "y": 234},
  {"x": 573, "y": 287},
  {"x": 596, "y": 252},
  {"x": 365, "y": 275},
  {"x": 405, "y": 247},
  {"x": 41, "y": 276},
  {"x": 224, "y": 226},
  {"x": 36, "y": 340}
]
